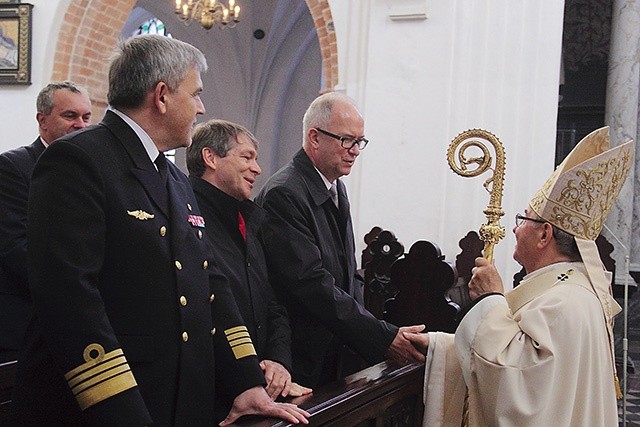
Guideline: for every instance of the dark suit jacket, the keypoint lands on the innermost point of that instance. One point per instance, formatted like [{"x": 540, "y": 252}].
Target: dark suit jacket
[
  {"x": 245, "y": 267},
  {"x": 310, "y": 253},
  {"x": 120, "y": 283},
  {"x": 16, "y": 167}
]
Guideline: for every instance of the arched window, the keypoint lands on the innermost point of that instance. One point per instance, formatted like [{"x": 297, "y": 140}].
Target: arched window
[{"x": 152, "y": 26}]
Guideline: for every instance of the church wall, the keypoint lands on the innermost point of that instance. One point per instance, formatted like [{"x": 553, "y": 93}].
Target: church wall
[{"x": 469, "y": 64}]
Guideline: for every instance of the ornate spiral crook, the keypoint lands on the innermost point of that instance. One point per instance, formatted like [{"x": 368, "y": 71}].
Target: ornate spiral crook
[{"x": 492, "y": 231}]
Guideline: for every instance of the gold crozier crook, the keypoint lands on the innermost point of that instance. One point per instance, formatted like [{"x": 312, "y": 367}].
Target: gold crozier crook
[{"x": 492, "y": 231}]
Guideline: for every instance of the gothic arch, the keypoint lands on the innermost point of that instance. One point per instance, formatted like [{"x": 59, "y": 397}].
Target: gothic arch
[
  {"x": 90, "y": 29},
  {"x": 321, "y": 14}
]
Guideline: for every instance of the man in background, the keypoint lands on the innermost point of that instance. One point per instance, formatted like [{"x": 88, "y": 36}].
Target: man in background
[
  {"x": 309, "y": 246},
  {"x": 223, "y": 165},
  {"x": 62, "y": 108}
]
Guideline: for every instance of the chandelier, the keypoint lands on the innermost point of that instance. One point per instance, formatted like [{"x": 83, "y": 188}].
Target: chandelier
[{"x": 208, "y": 13}]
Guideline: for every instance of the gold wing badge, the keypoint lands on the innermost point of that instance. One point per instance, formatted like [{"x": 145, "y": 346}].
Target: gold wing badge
[{"x": 141, "y": 215}]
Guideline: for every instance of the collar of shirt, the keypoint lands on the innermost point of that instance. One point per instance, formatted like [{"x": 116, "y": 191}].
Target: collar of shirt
[
  {"x": 327, "y": 183},
  {"x": 44, "y": 142},
  {"x": 147, "y": 142}
]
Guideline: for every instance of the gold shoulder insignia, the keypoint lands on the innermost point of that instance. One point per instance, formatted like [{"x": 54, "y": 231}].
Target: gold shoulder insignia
[
  {"x": 141, "y": 215},
  {"x": 240, "y": 342},
  {"x": 100, "y": 377}
]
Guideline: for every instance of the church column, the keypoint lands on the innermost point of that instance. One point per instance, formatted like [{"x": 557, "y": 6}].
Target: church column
[{"x": 621, "y": 114}]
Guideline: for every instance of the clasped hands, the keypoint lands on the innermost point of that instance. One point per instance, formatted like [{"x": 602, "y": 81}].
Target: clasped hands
[{"x": 402, "y": 349}]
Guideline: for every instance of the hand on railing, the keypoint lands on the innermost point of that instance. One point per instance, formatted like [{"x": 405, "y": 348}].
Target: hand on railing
[{"x": 256, "y": 401}]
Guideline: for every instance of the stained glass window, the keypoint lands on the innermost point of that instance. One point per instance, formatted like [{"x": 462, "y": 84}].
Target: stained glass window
[{"x": 152, "y": 26}]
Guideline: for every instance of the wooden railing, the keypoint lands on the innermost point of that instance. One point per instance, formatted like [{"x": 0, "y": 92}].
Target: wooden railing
[{"x": 382, "y": 395}]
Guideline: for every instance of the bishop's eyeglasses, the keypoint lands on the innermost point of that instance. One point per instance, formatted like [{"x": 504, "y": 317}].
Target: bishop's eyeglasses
[
  {"x": 346, "y": 141},
  {"x": 521, "y": 218}
]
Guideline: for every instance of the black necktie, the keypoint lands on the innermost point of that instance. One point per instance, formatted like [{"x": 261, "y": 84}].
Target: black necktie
[{"x": 161, "y": 164}]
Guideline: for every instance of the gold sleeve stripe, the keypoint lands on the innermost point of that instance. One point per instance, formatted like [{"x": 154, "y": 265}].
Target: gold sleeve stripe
[
  {"x": 235, "y": 329},
  {"x": 238, "y": 335},
  {"x": 90, "y": 382},
  {"x": 243, "y": 350},
  {"x": 100, "y": 377},
  {"x": 93, "y": 360},
  {"x": 238, "y": 341},
  {"x": 104, "y": 390},
  {"x": 97, "y": 370}
]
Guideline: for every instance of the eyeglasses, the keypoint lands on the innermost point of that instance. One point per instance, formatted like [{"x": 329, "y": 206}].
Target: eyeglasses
[
  {"x": 347, "y": 141},
  {"x": 521, "y": 218}
]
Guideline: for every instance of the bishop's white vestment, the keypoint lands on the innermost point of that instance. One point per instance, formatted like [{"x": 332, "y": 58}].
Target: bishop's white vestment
[{"x": 539, "y": 356}]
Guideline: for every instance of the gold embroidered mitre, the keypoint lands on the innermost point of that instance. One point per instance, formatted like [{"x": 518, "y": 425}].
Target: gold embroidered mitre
[
  {"x": 577, "y": 198},
  {"x": 580, "y": 192}
]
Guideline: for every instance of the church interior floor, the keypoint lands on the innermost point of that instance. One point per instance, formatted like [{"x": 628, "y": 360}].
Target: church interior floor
[{"x": 633, "y": 378}]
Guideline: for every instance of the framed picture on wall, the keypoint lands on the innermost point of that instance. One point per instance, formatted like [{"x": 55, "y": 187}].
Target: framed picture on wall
[{"x": 15, "y": 43}]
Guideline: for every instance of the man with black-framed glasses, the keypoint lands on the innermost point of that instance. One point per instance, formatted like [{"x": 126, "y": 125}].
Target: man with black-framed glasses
[{"x": 309, "y": 245}]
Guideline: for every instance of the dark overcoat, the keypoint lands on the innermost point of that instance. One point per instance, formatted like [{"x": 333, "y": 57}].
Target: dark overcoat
[{"x": 310, "y": 253}]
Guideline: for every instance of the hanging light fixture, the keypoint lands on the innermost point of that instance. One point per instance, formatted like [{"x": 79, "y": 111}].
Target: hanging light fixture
[{"x": 208, "y": 13}]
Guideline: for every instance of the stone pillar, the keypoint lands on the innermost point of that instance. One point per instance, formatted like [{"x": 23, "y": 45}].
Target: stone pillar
[{"x": 621, "y": 114}]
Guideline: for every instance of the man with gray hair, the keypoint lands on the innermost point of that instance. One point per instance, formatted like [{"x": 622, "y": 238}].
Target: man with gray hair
[
  {"x": 310, "y": 251},
  {"x": 122, "y": 285},
  {"x": 62, "y": 108}
]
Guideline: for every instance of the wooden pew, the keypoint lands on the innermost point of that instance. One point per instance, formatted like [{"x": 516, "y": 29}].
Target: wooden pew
[{"x": 408, "y": 289}]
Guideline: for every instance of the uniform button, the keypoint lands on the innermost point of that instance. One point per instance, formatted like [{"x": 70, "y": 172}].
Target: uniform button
[
  {"x": 178, "y": 265},
  {"x": 199, "y": 234},
  {"x": 248, "y": 264},
  {"x": 205, "y": 264},
  {"x": 185, "y": 336},
  {"x": 183, "y": 300},
  {"x": 213, "y": 331},
  {"x": 212, "y": 297},
  {"x": 189, "y": 206},
  {"x": 163, "y": 231}
]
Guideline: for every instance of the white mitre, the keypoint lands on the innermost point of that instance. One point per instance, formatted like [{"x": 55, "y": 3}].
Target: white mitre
[{"x": 577, "y": 198}]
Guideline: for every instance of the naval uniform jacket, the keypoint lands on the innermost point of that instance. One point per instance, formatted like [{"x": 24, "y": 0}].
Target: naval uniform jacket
[
  {"x": 310, "y": 252},
  {"x": 16, "y": 167},
  {"x": 120, "y": 282},
  {"x": 245, "y": 267}
]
